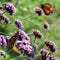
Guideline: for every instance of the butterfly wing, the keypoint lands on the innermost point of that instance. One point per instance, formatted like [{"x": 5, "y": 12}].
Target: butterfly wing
[
  {"x": 47, "y": 12},
  {"x": 12, "y": 40},
  {"x": 16, "y": 49},
  {"x": 52, "y": 9},
  {"x": 47, "y": 8}
]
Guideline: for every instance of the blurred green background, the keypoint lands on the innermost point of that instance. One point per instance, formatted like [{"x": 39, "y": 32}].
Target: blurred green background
[{"x": 25, "y": 8}]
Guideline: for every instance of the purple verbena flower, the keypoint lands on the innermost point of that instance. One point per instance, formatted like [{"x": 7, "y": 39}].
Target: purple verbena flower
[
  {"x": 22, "y": 35},
  {"x": 7, "y": 37},
  {"x": 4, "y": 17},
  {"x": 44, "y": 54},
  {"x": 53, "y": 58},
  {"x": 22, "y": 42},
  {"x": 35, "y": 46},
  {"x": 32, "y": 55},
  {"x": 19, "y": 23},
  {"x": 3, "y": 41},
  {"x": 46, "y": 26},
  {"x": 9, "y": 7},
  {"x": 51, "y": 45},
  {"x": 26, "y": 47},
  {"x": 37, "y": 33},
  {"x": 29, "y": 58},
  {"x": 38, "y": 11},
  {"x": 2, "y": 53}
]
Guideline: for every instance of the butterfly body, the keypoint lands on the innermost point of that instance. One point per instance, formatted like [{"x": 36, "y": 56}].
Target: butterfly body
[{"x": 47, "y": 8}]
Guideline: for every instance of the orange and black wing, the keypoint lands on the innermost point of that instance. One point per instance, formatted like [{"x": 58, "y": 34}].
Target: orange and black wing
[
  {"x": 47, "y": 8},
  {"x": 16, "y": 49},
  {"x": 11, "y": 43},
  {"x": 12, "y": 40},
  {"x": 46, "y": 5}
]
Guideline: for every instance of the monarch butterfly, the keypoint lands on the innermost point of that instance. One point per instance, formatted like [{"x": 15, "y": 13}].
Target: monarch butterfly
[
  {"x": 11, "y": 43},
  {"x": 47, "y": 8}
]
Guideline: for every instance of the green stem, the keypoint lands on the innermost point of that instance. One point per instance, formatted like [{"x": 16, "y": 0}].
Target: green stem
[
  {"x": 9, "y": 51},
  {"x": 35, "y": 39}
]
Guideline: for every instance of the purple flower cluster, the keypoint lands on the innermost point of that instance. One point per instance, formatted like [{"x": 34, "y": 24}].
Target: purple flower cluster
[
  {"x": 25, "y": 45},
  {"x": 53, "y": 58},
  {"x": 3, "y": 41},
  {"x": 46, "y": 26},
  {"x": 4, "y": 17},
  {"x": 38, "y": 11},
  {"x": 9, "y": 7},
  {"x": 24, "y": 42},
  {"x": 7, "y": 37},
  {"x": 45, "y": 55},
  {"x": 51, "y": 45},
  {"x": 2, "y": 53},
  {"x": 19, "y": 23},
  {"x": 37, "y": 33},
  {"x": 22, "y": 35}
]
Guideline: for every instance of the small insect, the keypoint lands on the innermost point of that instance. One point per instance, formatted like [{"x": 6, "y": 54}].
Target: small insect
[
  {"x": 47, "y": 8},
  {"x": 11, "y": 42}
]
